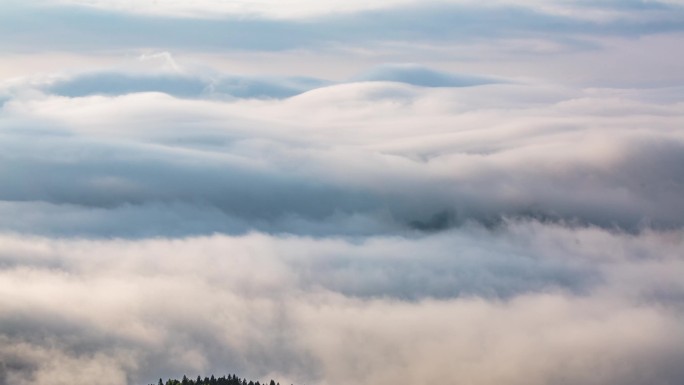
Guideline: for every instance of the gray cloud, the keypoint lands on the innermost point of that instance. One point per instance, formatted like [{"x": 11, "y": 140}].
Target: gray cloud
[
  {"x": 220, "y": 85},
  {"x": 73, "y": 27},
  {"x": 117, "y": 83},
  {"x": 421, "y": 76}
]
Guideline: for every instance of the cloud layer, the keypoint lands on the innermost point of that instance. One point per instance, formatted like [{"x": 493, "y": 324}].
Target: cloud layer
[
  {"x": 342, "y": 192},
  {"x": 389, "y": 154},
  {"x": 599, "y": 307},
  {"x": 385, "y": 232}
]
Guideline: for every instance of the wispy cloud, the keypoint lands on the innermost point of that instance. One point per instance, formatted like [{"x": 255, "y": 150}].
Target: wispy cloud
[{"x": 75, "y": 27}]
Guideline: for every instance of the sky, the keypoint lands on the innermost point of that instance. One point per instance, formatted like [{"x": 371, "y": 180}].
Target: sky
[{"x": 333, "y": 192}]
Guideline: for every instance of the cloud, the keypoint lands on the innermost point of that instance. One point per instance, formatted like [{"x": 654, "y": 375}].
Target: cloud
[
  {"x": 180, "y": 83},
  {"x": 436, "y": 158},
  {"x": 299, "y": 308},
  {"x": 421, "y": 76},
  {"x": 269, "y": 189},
  {"x": 72, "y": 27},
  {"x": 575, "y": 42},
  {"x": 306, "y": 9},
  {"x": 116, "y": 83}
]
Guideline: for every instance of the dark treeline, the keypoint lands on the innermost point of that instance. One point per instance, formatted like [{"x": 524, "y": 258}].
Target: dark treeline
[{"x": 225, "y": 380}]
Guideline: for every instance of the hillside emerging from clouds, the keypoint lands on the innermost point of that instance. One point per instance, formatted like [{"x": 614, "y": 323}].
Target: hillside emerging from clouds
[{"x": 327, "y": 192}]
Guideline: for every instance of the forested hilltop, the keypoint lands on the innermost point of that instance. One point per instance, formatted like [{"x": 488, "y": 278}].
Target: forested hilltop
[{"x": 225, "y": 380}]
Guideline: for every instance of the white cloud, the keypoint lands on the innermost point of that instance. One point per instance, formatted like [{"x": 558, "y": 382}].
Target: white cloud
[
  {"x": 268, "y": 189},
  {"x": 389, "y": 152},
  {"x": 290, "y": 307}
]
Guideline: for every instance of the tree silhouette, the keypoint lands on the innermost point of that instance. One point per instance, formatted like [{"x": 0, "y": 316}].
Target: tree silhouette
[{"x": 230, "y": 379}]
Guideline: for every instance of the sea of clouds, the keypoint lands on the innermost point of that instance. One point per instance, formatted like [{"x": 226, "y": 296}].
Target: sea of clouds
[{"x": 396, "y": 193}]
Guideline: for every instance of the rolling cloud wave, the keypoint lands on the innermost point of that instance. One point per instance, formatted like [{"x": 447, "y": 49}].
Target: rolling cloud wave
[{"x": 377, "y": 194}]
